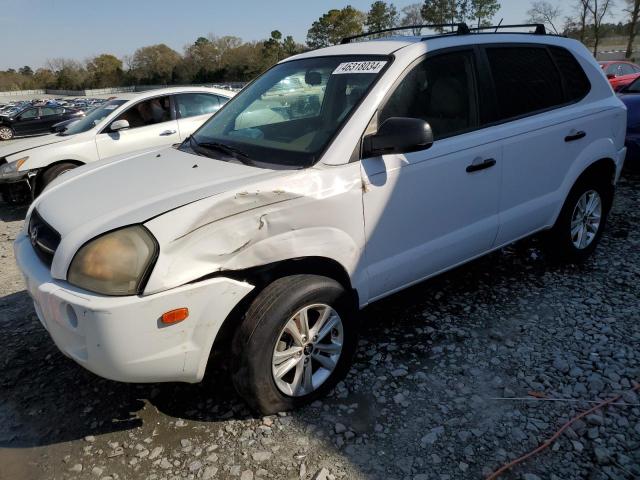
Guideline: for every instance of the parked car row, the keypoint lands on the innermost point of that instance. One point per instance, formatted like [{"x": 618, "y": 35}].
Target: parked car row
[
  {"x": 121, "y": 125},
  {"x": 338, "y": 177}
]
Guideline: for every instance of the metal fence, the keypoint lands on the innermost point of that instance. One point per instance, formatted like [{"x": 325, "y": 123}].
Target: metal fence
[{"x": 114, "y": 90}]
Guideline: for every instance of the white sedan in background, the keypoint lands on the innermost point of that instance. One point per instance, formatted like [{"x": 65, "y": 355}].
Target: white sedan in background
[{"x": 124, "y": 124}]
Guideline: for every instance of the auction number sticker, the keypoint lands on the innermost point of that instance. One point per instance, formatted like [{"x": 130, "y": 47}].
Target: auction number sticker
[{"x": 359, "y": 67}]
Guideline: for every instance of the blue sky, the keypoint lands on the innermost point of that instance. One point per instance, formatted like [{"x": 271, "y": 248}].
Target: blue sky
[{"x": 33, "y": 30}]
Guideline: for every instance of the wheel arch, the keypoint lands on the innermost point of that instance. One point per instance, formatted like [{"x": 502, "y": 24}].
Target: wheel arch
[
  {"x": 600, "y": 164},
  {"x": 263, "y": 275},
  {"x": 36, "y": 185}
]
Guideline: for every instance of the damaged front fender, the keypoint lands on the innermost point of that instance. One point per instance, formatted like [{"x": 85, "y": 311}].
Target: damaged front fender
[{"x": 316, "y": 212}]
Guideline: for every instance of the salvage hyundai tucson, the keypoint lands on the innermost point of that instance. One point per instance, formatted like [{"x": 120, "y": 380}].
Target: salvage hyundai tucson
[{"x": 338, "y": 177}]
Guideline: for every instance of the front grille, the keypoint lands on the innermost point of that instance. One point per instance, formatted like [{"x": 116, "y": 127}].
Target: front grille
[{"x": 43, "y": 237}]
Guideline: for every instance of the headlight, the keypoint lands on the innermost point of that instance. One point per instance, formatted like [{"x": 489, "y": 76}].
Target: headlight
[
  {"x": 115, "y": 263},
  {"x": 12, "y": 167}
]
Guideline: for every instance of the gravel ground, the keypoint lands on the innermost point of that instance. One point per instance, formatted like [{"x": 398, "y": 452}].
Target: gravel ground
[{"x": 425, "y": 399}]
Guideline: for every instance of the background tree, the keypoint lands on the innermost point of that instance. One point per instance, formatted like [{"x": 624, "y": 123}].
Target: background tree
[
  {"x": 26, "y": 70},
  {"x": 290, "y": 46},
  {"x": 381, "y": 15},
  {"x": 633, "y": 10},
  {"x": 273, "y": 48},
  {"x": 334, "y": 25},
  {"x": 546, "y": 13},
  {"x": 598, "y": 9},
  {"x": 70, "y": 74},
  {"x": 439, "y": 12},
  {"x": 201, "y": 61},
  {"x": 104, "y": 71},
  {"x": 483, "y": 11},
  {"x": 411, "y": 16},
  {"x": 154, "y": 64}
]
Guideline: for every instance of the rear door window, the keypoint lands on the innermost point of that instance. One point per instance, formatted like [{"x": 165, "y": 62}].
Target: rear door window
[
  {"x": 526, "y": 80},
  {"x": 194, "y": 104}
]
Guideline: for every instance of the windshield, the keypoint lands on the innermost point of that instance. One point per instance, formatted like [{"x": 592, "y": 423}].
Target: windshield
[
  {"x": 93, "y": 118},
  {"x": 289, "y": 115}
]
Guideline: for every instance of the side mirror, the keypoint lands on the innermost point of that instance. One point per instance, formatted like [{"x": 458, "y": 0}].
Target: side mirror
[
  {"x": 610, "y": 76},
  {"x": 119, "y": 125},
  {"x": 398, "y": 135}
]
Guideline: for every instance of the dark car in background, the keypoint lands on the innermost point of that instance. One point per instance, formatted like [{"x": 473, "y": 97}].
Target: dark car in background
[
  {"x": 630, "y": 96},
  {"x": 34, "y": 120}
]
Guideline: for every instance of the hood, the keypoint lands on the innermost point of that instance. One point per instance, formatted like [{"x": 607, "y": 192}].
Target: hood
[
  {"x": 105, "y": 195},
  {"x": 23, "y": 144}
]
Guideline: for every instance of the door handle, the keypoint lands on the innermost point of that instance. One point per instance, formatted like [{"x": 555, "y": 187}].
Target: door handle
[
  {"x": 166, "y": 133},
  {"x": 481, "y": 165},
  {"x": 573, "y": 136}
]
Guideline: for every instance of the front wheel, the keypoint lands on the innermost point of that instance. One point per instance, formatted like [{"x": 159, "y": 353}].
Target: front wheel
[
  {"x": 295, "y": 343},
  {"x": 52, "y": 173},
  {"x": 6, "y": 133},
  {"x": 581, "y": 222}
]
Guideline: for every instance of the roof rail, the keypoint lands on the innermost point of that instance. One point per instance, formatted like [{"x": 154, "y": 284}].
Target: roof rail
[
  {"x": 456, "y": 28},
  {"x": 540, "y": 29}
]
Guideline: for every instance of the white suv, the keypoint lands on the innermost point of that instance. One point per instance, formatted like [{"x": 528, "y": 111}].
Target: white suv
[{"x": 263, "y": 233}]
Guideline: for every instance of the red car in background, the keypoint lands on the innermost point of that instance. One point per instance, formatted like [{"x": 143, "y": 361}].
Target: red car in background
[{"x": 620, "y": 73}]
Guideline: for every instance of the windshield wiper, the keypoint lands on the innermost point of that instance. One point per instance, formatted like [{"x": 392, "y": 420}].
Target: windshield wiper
[{"x": 221, "y": 147}]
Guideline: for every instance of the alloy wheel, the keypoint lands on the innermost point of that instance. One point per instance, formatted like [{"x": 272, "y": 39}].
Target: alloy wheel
[
  {"x": 307, "y": 350},
  {"x": 6, "y": 133},
  {"x": 586, "y": 218}
]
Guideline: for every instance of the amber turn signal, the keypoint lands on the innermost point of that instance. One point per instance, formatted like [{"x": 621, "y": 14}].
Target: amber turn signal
[{"x": 175, "y": 316}]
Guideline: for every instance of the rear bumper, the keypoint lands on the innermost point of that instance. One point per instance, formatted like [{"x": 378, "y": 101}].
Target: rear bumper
[{"x": 122, "y": 338}]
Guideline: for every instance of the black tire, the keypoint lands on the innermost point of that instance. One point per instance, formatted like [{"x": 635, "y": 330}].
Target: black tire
[
  {"x": 255, "y": 340},
  {"x": 558, "y": 241},
  {"x": 6, "y": 133},
  {"x": 51, "y": 173}
]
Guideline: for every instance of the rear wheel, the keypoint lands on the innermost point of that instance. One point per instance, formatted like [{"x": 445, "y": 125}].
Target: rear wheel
[
  {"x": 295, "y": 343},
  {"x": 581, "y": 222},
  {"x": 6, "y": 133},
  {"x": 51, "y": 173}
]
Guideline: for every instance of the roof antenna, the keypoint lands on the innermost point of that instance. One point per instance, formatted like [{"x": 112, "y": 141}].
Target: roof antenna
[{"x": 498, "y": 26}]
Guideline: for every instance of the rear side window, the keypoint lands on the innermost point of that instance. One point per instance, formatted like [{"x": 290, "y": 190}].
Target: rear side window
[
  {"x": 526, "y": 80},
  {"x": 576, "y": 83},
  {"x": 194, "y": 104}
]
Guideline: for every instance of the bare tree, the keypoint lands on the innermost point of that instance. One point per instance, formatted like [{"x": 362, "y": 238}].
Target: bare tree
[
  {"x": 634, "y": 12},
  {"x": 546, "y": 13},
  {"x": 598, "y": 10},
  {"x": 583, "y": 12},
  {"x": 411, "y": 16}
]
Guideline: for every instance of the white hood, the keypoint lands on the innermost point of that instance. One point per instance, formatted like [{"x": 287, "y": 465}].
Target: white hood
[
  {"x": 105, "y": 195},
  {"x": 19, "y": 146}
]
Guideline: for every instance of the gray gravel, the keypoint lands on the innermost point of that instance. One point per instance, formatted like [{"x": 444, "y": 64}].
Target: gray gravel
[{"x": 420, "y": 402}]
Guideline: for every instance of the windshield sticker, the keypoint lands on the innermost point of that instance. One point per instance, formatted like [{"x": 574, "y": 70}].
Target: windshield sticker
[
  {"x": 359, "y": 67},
  {"x": 111, "y": 107}
]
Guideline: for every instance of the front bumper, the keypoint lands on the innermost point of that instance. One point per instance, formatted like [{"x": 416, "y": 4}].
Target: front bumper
[
  {"x": 122, "y": 338},
  {"x": 15, "y": 177}
]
